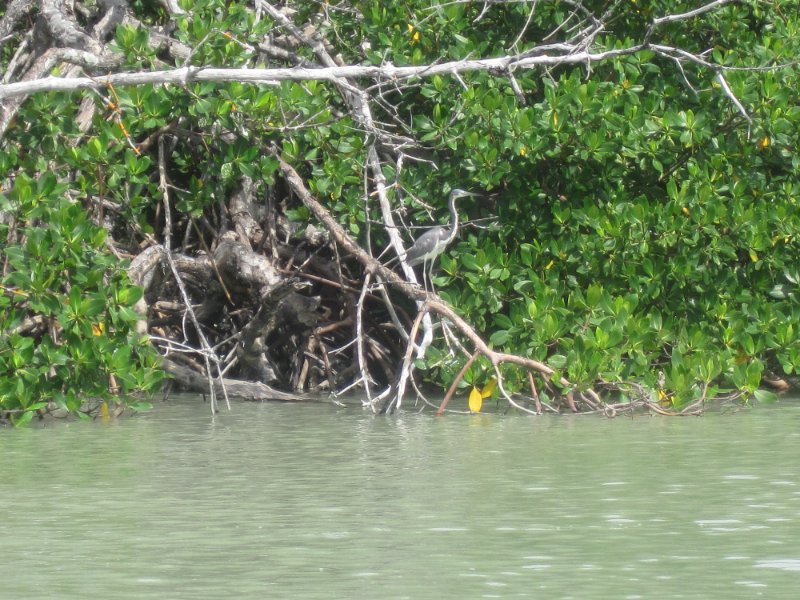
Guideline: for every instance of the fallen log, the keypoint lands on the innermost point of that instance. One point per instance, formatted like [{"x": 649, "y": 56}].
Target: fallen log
[{"x": 193, "y": 381}]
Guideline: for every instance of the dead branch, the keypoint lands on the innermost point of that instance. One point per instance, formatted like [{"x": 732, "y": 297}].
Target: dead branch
[
  {"x": 186, "y": 75},
  {"x": 248, "y": 390},
  {"x": 453, "y": 386}
]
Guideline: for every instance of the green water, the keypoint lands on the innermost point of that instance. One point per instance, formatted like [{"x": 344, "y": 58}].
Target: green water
[{"x": 287, "y": 501}]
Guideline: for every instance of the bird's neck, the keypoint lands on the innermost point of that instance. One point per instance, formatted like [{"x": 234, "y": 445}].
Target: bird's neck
[{"x": 453, "y": 223}]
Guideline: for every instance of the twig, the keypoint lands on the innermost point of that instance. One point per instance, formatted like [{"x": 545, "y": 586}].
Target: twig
[
  {"x": 360, "y": 337},
  {"x": 692, "y": 13},
  {"x": 453, "y": 386},
  {"x": 534, "y": 392},
  {"x": 726, "y": 88},
  {"x": 405, "y": 368}
]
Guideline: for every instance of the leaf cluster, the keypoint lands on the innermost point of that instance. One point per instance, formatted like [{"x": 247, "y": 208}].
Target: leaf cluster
[
  {"x": 645, "y": 230},
  {"x": 65, "y": 308}
]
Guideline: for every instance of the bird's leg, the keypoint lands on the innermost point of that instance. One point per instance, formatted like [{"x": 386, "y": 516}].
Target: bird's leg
[{"x": 430, "y": 277}]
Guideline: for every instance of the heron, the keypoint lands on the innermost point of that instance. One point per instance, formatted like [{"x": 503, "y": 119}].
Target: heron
[{"x": 434, "y": 241}]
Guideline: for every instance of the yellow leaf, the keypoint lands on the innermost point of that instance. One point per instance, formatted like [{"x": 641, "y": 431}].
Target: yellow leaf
[
  {"x": 488, "y": 388},
  {"x": 753, "y": 256},
  {"x": 98, "y": 329},
  {"x": 685, "y": 211},
  {"x": 764, "y": 143},
  {"x": 475, "y": 400},
  {"x": 104, "y": 411}
]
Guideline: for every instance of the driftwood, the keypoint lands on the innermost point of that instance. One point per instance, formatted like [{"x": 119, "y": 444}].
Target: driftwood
[
  {"x": 191, "y": 380},
  {"x": 234, "y": 272}
]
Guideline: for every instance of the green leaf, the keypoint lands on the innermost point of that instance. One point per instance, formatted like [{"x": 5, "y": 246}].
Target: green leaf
[
  {"x": 94, "y": 306},
  {"x": 23, "y": 419},
  {"x": 47, "y": 183},
  {"x": 765, "y": 396},
  {"x": 469, "y": 261},
  {"x": 499, "y": 338}
]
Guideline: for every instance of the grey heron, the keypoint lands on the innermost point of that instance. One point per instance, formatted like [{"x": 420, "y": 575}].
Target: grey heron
[{"x": 434, "y": 241}]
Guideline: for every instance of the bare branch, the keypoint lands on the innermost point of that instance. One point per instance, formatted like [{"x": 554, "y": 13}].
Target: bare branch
[
  {"x": 692, "y": 13},
  {"x": 727, "y": 89},
  {"x": 186, "y": 75}
]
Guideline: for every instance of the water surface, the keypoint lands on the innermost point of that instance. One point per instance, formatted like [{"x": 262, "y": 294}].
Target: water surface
[{"x": 311, "y": 501}]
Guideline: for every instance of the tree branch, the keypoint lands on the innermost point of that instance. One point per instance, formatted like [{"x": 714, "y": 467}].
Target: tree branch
[{"x": 186, "y": 75}]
